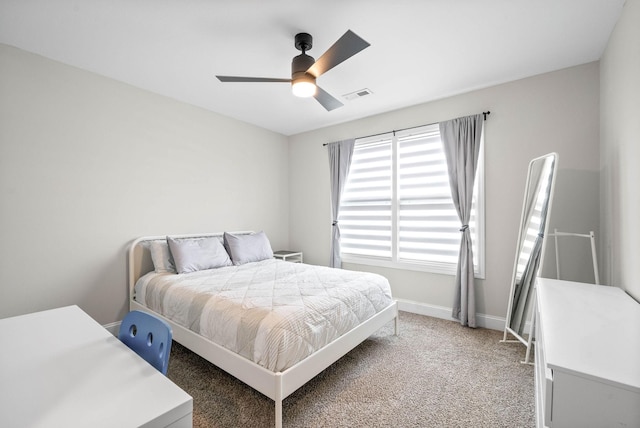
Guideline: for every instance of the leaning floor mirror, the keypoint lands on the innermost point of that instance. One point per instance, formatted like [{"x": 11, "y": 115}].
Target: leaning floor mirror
[{"x": 534, "y": 222}]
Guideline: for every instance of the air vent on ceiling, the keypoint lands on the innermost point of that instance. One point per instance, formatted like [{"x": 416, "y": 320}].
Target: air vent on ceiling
[{"x": 357, "y": 94}]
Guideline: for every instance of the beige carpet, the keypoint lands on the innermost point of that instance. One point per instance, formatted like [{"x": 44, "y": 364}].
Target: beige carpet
[{"x": 436, "y": 373}]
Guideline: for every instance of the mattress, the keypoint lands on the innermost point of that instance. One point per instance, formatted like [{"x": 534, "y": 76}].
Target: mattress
[{"x": 272, "y": 312}]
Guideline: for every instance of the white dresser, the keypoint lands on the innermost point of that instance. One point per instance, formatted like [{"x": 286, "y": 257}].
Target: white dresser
[{"x": 587, "y": 356}]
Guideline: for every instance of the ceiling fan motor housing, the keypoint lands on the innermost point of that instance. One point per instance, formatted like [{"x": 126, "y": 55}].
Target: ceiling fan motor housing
[{"x": 302, "y": 62}]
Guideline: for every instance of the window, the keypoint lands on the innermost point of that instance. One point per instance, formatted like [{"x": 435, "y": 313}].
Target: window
[{"x": 396, "y": 208}]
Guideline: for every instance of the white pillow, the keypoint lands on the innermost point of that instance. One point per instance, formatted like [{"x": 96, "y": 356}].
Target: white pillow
[
  {"x": 248, "y": 248},
  {"x": 161, "y": 257},
  {"x": 191, "y": 255}
]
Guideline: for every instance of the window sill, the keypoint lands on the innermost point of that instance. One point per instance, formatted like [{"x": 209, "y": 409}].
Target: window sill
[{"x": 437, "y": 268}]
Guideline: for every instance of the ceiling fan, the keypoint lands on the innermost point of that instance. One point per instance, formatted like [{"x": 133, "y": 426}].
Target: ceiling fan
[{"x": 305, "y": 70}]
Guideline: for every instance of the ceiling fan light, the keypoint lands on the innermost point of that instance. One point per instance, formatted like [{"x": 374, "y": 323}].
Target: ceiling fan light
[
  {"x": 303, "y": 89},
  {"x": 303, "y": 85}
]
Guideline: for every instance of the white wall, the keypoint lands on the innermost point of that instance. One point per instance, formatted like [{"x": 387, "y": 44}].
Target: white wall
[
  {"x": 620, "y": 152},
  {"x": 557, "y": 111},
  {"x": 87, "y": 164}
]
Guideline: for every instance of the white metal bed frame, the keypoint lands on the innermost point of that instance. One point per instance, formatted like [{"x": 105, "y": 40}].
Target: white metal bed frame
[{"x": 275, "y": 385}]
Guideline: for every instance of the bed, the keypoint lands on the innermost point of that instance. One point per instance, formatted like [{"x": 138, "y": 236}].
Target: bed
[{"x": 272, "y": 324}]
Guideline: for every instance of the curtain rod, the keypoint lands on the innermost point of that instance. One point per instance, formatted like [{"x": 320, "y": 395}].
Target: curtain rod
[{"x": 484, "y": 113}]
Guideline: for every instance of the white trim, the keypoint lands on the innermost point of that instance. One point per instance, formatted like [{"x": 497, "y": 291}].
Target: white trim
[
  {"x": 428, "y": 267},
  {"x": 113, "y": 327},
  {"x": 443, "y": 312},
  {"x": 480, "y": 269}
]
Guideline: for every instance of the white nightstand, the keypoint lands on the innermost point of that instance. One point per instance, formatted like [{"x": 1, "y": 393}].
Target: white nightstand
[{"x": 289, "y": 256}]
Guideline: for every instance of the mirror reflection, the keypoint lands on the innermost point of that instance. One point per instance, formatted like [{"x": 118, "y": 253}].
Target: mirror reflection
[{"x": 536, "y": 209}]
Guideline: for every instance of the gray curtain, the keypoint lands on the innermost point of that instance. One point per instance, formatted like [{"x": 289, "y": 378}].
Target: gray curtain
[
  {"x": 461, "y": 141},
  {"x": 340, "y": 154}
]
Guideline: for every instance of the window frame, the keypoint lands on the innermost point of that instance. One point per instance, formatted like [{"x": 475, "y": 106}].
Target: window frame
[{"x": 423, "y": 266}]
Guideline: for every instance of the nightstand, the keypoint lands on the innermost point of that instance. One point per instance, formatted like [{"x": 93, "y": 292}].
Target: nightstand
[{"x": 289, "y": 256}]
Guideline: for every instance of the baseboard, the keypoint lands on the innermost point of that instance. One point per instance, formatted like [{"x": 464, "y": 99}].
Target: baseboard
[
  {"x": 482, "y": 320},
  {"x": 113, "y": 328}
]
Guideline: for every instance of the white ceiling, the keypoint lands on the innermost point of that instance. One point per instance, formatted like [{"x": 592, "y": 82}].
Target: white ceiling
[{"x": 420, "y": 50}]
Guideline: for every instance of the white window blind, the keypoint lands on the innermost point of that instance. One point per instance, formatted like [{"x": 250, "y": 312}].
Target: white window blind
[
  {"x": 365, "y": 209},
  {"x": 396, "y": 208}
]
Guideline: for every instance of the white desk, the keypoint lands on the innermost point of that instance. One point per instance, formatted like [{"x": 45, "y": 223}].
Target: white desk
[{"x": 60, "y": 368}]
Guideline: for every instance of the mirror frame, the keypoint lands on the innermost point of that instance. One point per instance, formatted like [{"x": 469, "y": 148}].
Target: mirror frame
[{"x": 521, "y": 236}]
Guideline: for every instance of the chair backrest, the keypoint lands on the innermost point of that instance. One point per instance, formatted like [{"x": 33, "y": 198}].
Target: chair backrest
[{"x": 149, "y": 336}]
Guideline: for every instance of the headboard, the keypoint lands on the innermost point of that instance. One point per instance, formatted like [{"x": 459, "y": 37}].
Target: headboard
[{"x": 140, "y": 263}]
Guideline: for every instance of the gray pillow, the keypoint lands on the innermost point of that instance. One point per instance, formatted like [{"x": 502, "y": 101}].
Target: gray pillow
[
  {"x": 161, "y": 257},
  {"x": 191, "y": 255},
  {"x": 248, "y": 248}
]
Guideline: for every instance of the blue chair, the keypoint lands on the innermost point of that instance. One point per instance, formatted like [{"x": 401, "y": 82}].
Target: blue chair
[{"x": 148, "y": 336}]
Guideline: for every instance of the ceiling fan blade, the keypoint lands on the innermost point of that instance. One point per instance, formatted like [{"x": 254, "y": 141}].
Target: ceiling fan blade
[
  {"x": 347, "y": 46},
  {"x": 250, "y": 79},
  {"x": 326, "y": 99}
]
